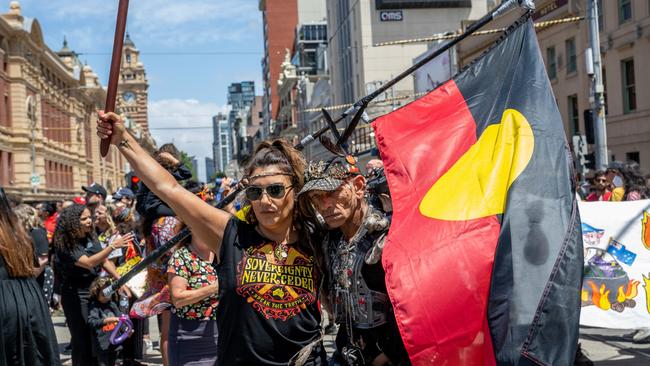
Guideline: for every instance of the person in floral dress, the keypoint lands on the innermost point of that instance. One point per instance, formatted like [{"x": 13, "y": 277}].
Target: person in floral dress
[{"x": 194, "y": 293}]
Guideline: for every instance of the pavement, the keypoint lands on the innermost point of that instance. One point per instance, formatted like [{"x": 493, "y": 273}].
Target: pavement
[
  {"x": 606, "y": 347},
  {"x": 152, "y": 355}
]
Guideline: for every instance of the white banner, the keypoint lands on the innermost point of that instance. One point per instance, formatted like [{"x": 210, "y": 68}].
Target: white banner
[{"x": 616, "y": 284}]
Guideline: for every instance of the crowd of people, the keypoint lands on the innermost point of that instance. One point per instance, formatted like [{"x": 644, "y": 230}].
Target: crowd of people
[
  {"x": 621, "y": 181},
  {"x": 79, "y": 245},
  {"x": 250, "y": 284}
]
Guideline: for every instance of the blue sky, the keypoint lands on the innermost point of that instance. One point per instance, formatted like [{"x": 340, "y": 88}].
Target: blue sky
[{"x": 184, "y": 90}]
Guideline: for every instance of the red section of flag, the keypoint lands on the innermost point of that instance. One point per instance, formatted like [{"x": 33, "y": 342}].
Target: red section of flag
[{"x": 437, "y": 272}]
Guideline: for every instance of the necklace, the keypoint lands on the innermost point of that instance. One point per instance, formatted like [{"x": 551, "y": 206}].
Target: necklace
[{"x": 281, "y": 248}]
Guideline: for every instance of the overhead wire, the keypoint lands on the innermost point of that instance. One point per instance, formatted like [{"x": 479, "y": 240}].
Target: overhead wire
[
  {"x": 179, "y": 53},
  {"x": 441, "y": 36},
  {"x": 452, "y": 35}
]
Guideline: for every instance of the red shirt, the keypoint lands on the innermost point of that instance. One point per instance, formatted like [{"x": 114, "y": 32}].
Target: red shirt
[
  {"x": 595, "y": 197},
  {"x": 50, "y": 225}
]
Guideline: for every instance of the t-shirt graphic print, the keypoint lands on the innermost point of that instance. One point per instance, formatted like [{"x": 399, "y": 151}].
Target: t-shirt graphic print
[{"x": 277, "y": 280}]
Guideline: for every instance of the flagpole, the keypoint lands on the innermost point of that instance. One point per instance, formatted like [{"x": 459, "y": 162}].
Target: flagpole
[
  {"x": 597, "y": 89},
  {"x": 116, "y": 61},
  {"x": 497, "y": 12},
  {"x": 358, "y": 109}
]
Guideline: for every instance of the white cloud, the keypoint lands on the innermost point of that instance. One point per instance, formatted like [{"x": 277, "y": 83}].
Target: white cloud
[
  {"x": 181, "y": 115},
  {"x": 169, "y": 23}
]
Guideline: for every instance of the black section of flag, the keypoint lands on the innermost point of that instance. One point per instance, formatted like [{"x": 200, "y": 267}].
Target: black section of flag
[{"x": 534, "y": 305}]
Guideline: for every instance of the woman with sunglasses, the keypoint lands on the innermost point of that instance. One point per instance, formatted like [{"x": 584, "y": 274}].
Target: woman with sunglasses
[{"x": 268, "y": 274}]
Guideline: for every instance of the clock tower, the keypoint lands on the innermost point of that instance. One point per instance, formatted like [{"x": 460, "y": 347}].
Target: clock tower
[{"x": 132, "y": 94}]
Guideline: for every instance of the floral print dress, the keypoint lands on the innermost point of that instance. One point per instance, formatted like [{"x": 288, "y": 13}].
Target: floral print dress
[{"x": 198, "y": 273}]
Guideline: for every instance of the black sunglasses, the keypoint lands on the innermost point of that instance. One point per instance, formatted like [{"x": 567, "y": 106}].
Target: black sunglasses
[{"x": 254, "y": 193}]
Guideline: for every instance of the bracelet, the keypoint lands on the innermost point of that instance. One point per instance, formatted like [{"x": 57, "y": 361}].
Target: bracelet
[
  {"x": 111, "y": 246},
  {"x": 124, "y": 143}
]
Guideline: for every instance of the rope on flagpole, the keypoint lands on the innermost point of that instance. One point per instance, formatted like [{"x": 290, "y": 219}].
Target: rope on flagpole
[
  {"x": 342, "y": 106},
  {"x": 451, "y": 35}
]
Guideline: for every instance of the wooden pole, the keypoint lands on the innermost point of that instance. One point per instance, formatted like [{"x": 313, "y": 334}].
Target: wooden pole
[{"x": 116, "y": 61}]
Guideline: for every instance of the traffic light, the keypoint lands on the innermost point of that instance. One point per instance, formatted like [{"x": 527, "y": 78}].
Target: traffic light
[{"x": 132, "y": 181}]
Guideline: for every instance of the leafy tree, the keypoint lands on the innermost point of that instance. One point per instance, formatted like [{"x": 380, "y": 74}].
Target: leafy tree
[{"x": 187, "y": 160}]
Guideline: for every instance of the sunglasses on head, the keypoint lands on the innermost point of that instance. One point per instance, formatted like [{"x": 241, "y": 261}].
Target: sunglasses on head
[{"x": 278, "y": 190}]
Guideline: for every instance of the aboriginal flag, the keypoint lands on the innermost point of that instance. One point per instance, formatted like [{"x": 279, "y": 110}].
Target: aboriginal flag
[{"x": 484, "y": 257}]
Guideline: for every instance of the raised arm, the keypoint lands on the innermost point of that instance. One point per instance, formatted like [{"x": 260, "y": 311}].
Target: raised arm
[{"x": 207, "y": 223}]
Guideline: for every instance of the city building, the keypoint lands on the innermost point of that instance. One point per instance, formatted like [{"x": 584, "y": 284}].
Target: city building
[
  {"x": 241, "y": 97},
  {"x": 280, "y": 18},
  {"x": 624, "y": 46},
  {"x": 298, "y": 74},
  {"x": 304, "y": 65},
  {"x": 209, "y": 168},
  {"x": 359, "y": 65},
  {"x": 195, "y": 167},
  {"x": 48, "y": 148},
  {"x": 254, "y": 124},
  {"x": 222, "y": 142}
]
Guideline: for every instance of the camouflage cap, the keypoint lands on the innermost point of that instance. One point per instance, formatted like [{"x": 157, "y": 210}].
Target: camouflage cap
[{"x": 323, "y": 176}]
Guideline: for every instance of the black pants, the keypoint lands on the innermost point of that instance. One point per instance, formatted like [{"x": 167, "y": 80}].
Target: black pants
[
  {"x": 133, "y": 347},
  {"x": 107, "y": 358},
  {"x": 75, "y": 308}
]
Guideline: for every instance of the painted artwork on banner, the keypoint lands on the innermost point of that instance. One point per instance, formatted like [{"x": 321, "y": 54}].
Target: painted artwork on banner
[{"x": 616, "y": 283}]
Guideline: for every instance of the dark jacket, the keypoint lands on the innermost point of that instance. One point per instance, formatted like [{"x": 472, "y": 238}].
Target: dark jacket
[
  {"x": 149, "y": 206},
  {"x": 102, "y": 332}
]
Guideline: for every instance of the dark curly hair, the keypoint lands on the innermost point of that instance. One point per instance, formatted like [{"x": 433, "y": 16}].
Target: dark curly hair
[
  {"x": 68, "y": 232},
  {"x": 98, "y": 285}
]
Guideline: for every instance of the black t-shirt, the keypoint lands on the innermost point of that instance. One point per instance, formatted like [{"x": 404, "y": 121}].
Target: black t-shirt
[
  {"x": 73, "y": 276},
  {"x": 268, "y": 309}
]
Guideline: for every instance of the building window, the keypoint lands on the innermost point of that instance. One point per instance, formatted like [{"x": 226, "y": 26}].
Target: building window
[
  {"x": 633, "y": 156},
  {"x": 7, "y": 111},
  {"x": 551, "y": 63},
  {"x": 624, "y": 11},
  {"x": 6, "y": 168},
  {"x": 128, "y": 58},
  {"x": 88, "y": 143},
  {"x": 573, "y": 115},
  {"x": 570, "y": 48},
  {"x": 629, "y": 88}
]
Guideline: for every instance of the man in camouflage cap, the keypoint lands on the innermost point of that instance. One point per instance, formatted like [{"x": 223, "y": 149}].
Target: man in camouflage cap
[{"x": 352, "y": 247}]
